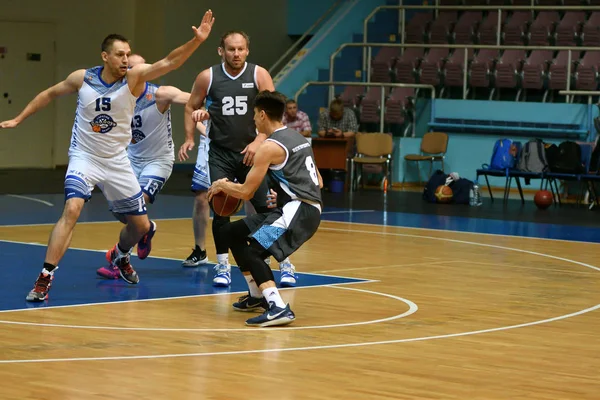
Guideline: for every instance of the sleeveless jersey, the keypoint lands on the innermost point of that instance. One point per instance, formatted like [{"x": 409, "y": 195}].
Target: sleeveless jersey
[
  {"x": 297, "y": 175},
  {"x": 150, "y": 129},
  {"x": 102, "y": 124},
  {"x": 230, "y": 104}
]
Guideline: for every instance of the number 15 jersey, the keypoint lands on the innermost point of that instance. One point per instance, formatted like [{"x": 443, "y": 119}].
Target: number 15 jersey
[
  {"x": 230, "y": 102},
  {"x": 102, "y": 124}
]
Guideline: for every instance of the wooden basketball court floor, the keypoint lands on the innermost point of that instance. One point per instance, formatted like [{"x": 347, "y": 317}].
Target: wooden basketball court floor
[{"x": 385, "y": 310}]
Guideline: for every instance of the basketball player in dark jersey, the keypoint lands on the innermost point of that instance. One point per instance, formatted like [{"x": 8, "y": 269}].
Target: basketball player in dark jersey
[
  {"x": 289, "y": 161},
  {"x": 229, "y": 89}
]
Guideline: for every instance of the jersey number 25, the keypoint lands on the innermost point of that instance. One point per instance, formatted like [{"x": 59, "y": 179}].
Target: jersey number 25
[{"x": 232, "y": 106}]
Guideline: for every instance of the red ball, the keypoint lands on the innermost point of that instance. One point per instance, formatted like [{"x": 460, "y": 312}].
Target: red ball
[
  {"x": 443, "y": 194},
  {"x": 225, "y": 205},
  {"x": 543, "y": 199}
]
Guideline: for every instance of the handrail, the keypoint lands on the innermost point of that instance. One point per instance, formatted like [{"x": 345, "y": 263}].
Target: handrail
[
  {"x": 588, "y": 93},
  {"x": 377, "y": 84},
  {"x": 310, "y": 29},
  {"x": 369, "y": 45},
  {"x": 436, "y": 8}
]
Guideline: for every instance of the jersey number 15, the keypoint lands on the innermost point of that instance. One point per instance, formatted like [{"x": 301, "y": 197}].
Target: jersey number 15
[{"x": 232, "y": 106}]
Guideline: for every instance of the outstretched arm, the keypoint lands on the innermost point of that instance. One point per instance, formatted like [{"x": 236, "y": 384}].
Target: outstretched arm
[
  {"x": 167, "y": 95},
  {"x": 264, "y": 82},
  {"x": 68, "y": 86},
  {"x": 195, "y": 101},
  {"x": 147, "y": 72}
]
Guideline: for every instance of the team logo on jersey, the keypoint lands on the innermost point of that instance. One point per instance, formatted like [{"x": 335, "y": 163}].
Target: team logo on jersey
[
  {"x": 102, "y": 123},
  {"x": 149, "y": 96},
  {"x": 248, "y": 85},
  {"x": 137, "y": 136}
]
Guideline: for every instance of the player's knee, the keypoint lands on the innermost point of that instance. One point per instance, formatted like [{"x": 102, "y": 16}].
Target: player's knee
[
  {"x": 73, "y": 208},
  {"x": 201, "y": 198},
  {"x": 120, "y": 217}
]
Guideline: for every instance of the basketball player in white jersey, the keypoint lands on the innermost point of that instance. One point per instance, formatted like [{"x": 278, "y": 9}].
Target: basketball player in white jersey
[
  {"x": 151, "y": 152},
  {"x": 229, "y": 89},
  {"x": 106, "y": 101}
]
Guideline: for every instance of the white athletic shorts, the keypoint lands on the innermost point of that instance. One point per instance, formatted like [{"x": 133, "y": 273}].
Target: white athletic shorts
[
  {"x": 201, "y": 178},
  {"x": 113, "y": 176},
  {"x": 152, "y": 175}
]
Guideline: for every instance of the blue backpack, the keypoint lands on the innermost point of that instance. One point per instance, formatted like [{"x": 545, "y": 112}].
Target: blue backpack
[{"x": 505, "y": 153}]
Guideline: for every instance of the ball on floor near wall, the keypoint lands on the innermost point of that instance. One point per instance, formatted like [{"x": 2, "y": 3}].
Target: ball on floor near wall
[
  {"x": 543, "y": 199},
  {"x": 443, "y": 194}
]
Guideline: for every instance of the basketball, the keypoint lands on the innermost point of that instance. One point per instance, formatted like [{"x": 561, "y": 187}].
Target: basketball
[
  {"x": 443, "y": 194},
  {"x": 543, "y": 199},
  {"x": 225, "y": 205}
]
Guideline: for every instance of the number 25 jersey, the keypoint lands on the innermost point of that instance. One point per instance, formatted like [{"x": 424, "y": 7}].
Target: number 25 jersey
[{"x": 230, "y": 102}]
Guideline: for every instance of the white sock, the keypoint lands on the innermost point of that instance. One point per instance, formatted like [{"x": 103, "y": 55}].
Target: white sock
[
  {"x": 223, "y": 259},
  {"x": 272, "y": 295},
  {"x": 252, "y": 287},
  {"x": 287, "y": 260}
]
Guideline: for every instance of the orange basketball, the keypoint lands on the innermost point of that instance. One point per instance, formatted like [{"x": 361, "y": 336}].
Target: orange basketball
[
  {"x": 543, "y": 199},
  {"x": 443, "y": 194},
  {"x": 225, "y": 205}
]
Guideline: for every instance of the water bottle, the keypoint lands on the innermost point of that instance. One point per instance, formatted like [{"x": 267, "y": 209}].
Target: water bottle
[
  {"x": 476, "y": 194},
  {"x": 472, "y": 196}
]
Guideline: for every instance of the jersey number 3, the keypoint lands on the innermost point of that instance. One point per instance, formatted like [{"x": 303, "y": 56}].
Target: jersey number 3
[{"x": 232, "y": 106}]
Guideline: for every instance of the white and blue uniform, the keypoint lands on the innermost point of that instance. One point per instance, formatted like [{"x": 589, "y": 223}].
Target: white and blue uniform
[
  {"x": 101, "y": 133},
  {"x": 201, "y": 178},
  {"x": 151, "y": 149}
]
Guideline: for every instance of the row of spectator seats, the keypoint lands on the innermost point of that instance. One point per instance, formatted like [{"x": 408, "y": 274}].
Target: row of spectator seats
[
  {"x": 518, "y": 28},
  {"x": 540, "y": 69},
  {"x": 366, "y": 102}
]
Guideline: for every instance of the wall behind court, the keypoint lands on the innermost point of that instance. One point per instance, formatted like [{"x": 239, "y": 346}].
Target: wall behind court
[
  {"x": 154, "y": 27},
  {"x": 80, "y": 28}
]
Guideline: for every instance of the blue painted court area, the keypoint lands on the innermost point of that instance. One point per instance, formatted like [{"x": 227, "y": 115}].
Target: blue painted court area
[{"x": 76, "y": 281}]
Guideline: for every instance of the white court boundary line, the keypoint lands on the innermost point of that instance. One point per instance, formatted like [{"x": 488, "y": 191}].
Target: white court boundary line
[
  {"x": 412, "y": 308},
  {"x": 30, "y": 199},
  {"x": 358, "y": 344}
]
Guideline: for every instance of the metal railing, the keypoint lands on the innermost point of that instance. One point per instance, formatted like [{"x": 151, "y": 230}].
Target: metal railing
[
  {"x": 332, "y": 84},
  {"x": 588, "y": 93},
  {"x": 301, "y": 39},
  {"x": 436, "y": 8},
  {"x": 369, "y": 46}
]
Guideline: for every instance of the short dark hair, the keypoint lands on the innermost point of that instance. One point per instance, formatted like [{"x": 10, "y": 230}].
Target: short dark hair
[
  {"x": 229, "y": 33},
  {"x": 110, "y": 39},
  {"x": 336, "y": 106},
  {"x": 272, "y": 103},
  {"x": 290, "y": 101}
]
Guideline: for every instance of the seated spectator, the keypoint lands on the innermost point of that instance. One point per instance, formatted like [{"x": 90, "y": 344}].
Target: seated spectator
[
  {"x": 296, "y": 119},
  {"x": 338, "y": 122}
]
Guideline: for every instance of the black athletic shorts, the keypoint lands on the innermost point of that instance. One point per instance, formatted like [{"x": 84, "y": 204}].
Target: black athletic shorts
[{"x": 284, "y": 229}]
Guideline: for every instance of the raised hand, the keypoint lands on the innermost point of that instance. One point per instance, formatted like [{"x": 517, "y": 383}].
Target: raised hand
[
  {"x": 205, "y": 27},
  {"x": 11, "y": 123}
]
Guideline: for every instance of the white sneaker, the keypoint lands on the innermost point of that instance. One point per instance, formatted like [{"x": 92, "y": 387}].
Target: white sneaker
[
  {"x": 288, "y": 274},
  {"x": 222, "y": 275}
]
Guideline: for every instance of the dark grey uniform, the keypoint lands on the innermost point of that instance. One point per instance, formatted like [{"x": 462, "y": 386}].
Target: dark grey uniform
[
  {"x": 230, "y": 104},
  {"x": 283, "y": 230}
]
